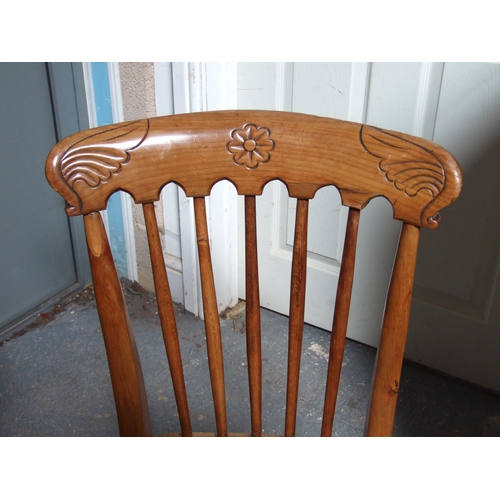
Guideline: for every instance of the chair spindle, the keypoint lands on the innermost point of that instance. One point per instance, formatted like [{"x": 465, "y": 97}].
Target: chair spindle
[
  {"x": 340, "y": 318},
  {"x": 254, "y": 351},
  {"x": 167, "y": 318},
  {"x": 123, "y": 358},
  {"x": 297, "y": 309},
  {"x": 212, "y": 325}
]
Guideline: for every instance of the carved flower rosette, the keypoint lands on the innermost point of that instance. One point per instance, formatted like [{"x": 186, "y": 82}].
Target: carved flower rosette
[{"x": 250, "y": 146}]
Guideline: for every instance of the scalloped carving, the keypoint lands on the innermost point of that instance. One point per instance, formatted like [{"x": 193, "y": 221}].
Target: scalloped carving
[
  {"x": 98, "y": 157},
  {"x": 409, "y": 166},
  {"x": 250, "y": 146}
]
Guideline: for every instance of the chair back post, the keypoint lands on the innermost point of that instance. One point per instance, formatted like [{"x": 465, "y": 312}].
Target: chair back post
[
  {"x": 123, "y": 358},
  {"x": 387, "y": 374}
]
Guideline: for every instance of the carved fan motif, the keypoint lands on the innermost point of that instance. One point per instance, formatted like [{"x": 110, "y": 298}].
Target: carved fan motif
[
  {"x": 95, "y": 163},
  {"x": 250, "y": 145},
  {"x": 409, "y": 167}
]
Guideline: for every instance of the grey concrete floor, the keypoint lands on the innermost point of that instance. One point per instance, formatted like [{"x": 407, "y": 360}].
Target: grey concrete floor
[{"x": 54, "y": 379}]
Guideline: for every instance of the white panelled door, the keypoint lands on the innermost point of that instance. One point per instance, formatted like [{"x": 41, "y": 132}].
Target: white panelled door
[
  {"x": 337, "y": 90},
  {"x": 455, "y": 324}
]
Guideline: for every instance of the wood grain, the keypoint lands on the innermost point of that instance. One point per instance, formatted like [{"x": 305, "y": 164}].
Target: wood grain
[
  {"x": 212, "y": 325},
  {"x": 340, "y": 319},
  {"x": 390, "y": 353},
  {"x": 254, "y": 351},
  {"x": 297, "y": 309},
  {"x": 306, "y": 152},
  {"x": 123, "y": 358},
  {"x": 167, "y": 318}
]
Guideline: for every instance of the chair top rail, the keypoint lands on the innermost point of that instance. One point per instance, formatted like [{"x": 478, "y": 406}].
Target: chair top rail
[{"x": 251, "y": 148}]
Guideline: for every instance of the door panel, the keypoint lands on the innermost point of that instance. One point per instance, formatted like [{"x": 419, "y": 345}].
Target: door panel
[
  {"x": 325, "y": 89},
  {"x": 35, "y": 242},
  {"x": 455, "y": 321}
]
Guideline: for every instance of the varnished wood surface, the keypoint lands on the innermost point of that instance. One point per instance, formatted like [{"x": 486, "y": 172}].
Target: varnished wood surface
[
  {"x": 212, "y": 325},
  {"x": 250, "y": 148},
  {"x": 340, "y": 319},
  {"x": 167, "y": 318},
  {"x": 212, "y": 434},
  {"x": 254, "y": 351},
  {"x": 297, "y": 309},
  {"x": 392, "y": 343},
  {"x": 123, "y": 358}
]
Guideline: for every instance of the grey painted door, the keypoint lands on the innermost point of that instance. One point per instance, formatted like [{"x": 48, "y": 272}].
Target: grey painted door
[{"x": 36, "y": 256}]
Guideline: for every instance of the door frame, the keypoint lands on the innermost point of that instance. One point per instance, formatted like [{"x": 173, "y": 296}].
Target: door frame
[
  {"x": 69, "y": 107},
  {"x": 69, "y": 101},
  {"x": 200, "y": 86}
]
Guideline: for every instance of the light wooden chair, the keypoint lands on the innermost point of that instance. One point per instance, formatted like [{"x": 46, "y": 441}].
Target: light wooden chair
[{"x": 251, "y": 148}]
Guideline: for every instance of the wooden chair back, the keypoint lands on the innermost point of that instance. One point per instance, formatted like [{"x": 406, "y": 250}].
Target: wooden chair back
[{"x": 251, "y": 148}]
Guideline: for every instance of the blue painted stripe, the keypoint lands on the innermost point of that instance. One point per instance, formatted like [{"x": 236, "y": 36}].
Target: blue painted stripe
[
  {"x": 102, "y": 94},
  {"x": 104, "y": 113}
]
